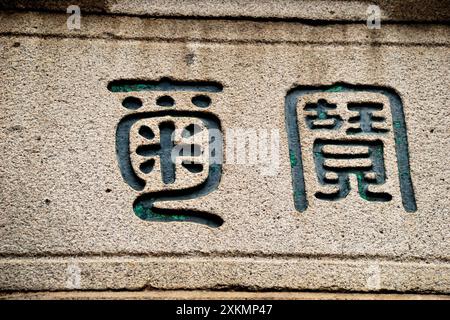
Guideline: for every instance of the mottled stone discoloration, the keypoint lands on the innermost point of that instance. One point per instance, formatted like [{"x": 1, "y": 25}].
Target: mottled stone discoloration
[{"x": 67, "y": 219}]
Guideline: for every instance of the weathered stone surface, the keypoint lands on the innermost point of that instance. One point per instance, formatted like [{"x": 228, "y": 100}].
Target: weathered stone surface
[
  {"x": 214, "y": 295},
  {"x": 391, "y": 10},
  {"x": 67, "y": 219}
]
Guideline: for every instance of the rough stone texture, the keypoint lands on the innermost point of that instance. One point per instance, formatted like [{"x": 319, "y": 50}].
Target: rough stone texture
[
  {"x": 214, "y": 295},
  {"x": 67, "y": 220},
  {"x": 333, "y": 10}
]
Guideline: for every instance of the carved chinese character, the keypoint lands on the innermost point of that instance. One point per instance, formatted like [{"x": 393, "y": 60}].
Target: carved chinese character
[
  {"x": 348, "y": 133},
  {"x": 168, "y": 146}
]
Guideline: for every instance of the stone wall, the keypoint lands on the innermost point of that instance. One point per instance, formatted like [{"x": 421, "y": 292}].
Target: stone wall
[{"x": 318, "y": 146}]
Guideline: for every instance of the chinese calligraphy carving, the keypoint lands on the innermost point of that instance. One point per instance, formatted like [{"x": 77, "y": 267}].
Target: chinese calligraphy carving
[
  {"x": 164, "y": 146},
  {"x": 344, "y": 132}
]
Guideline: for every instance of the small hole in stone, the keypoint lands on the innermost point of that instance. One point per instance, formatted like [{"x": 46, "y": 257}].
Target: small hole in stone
[
  {"x": 108, "y": 190},
  {"x": 47, "y": 201},
  {"x": 147, "y": 166},
  {"x": 432, "y": 130},
  {"x": 190, "y": 58},
  {"x": 165, "y": 101},
  {"x": 193, "y": 167},
  {"x": 16, "y": 44},
  {"x": 146, "y": 132},
  {"x": 201, "y": 101},
  {"x": 132, "y": 103}
]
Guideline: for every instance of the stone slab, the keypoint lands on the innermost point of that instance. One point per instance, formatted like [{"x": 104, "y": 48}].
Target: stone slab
[
  {"x": 307, "y": 10},
  {"x": 222, "y": 273},
  {"x": 212, "y": 295},
  {"x": 68, "y": 221}
]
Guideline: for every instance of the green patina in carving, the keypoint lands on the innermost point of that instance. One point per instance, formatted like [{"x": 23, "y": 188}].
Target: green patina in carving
[
  {"x": 292, "y": 159},
  {"x": 335, "y": 89}
]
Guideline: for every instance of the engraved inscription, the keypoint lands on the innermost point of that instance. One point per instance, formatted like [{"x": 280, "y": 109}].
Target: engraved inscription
[
  {"x": 346, "y": 133},
  {"x": 168, "y": 145}
]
